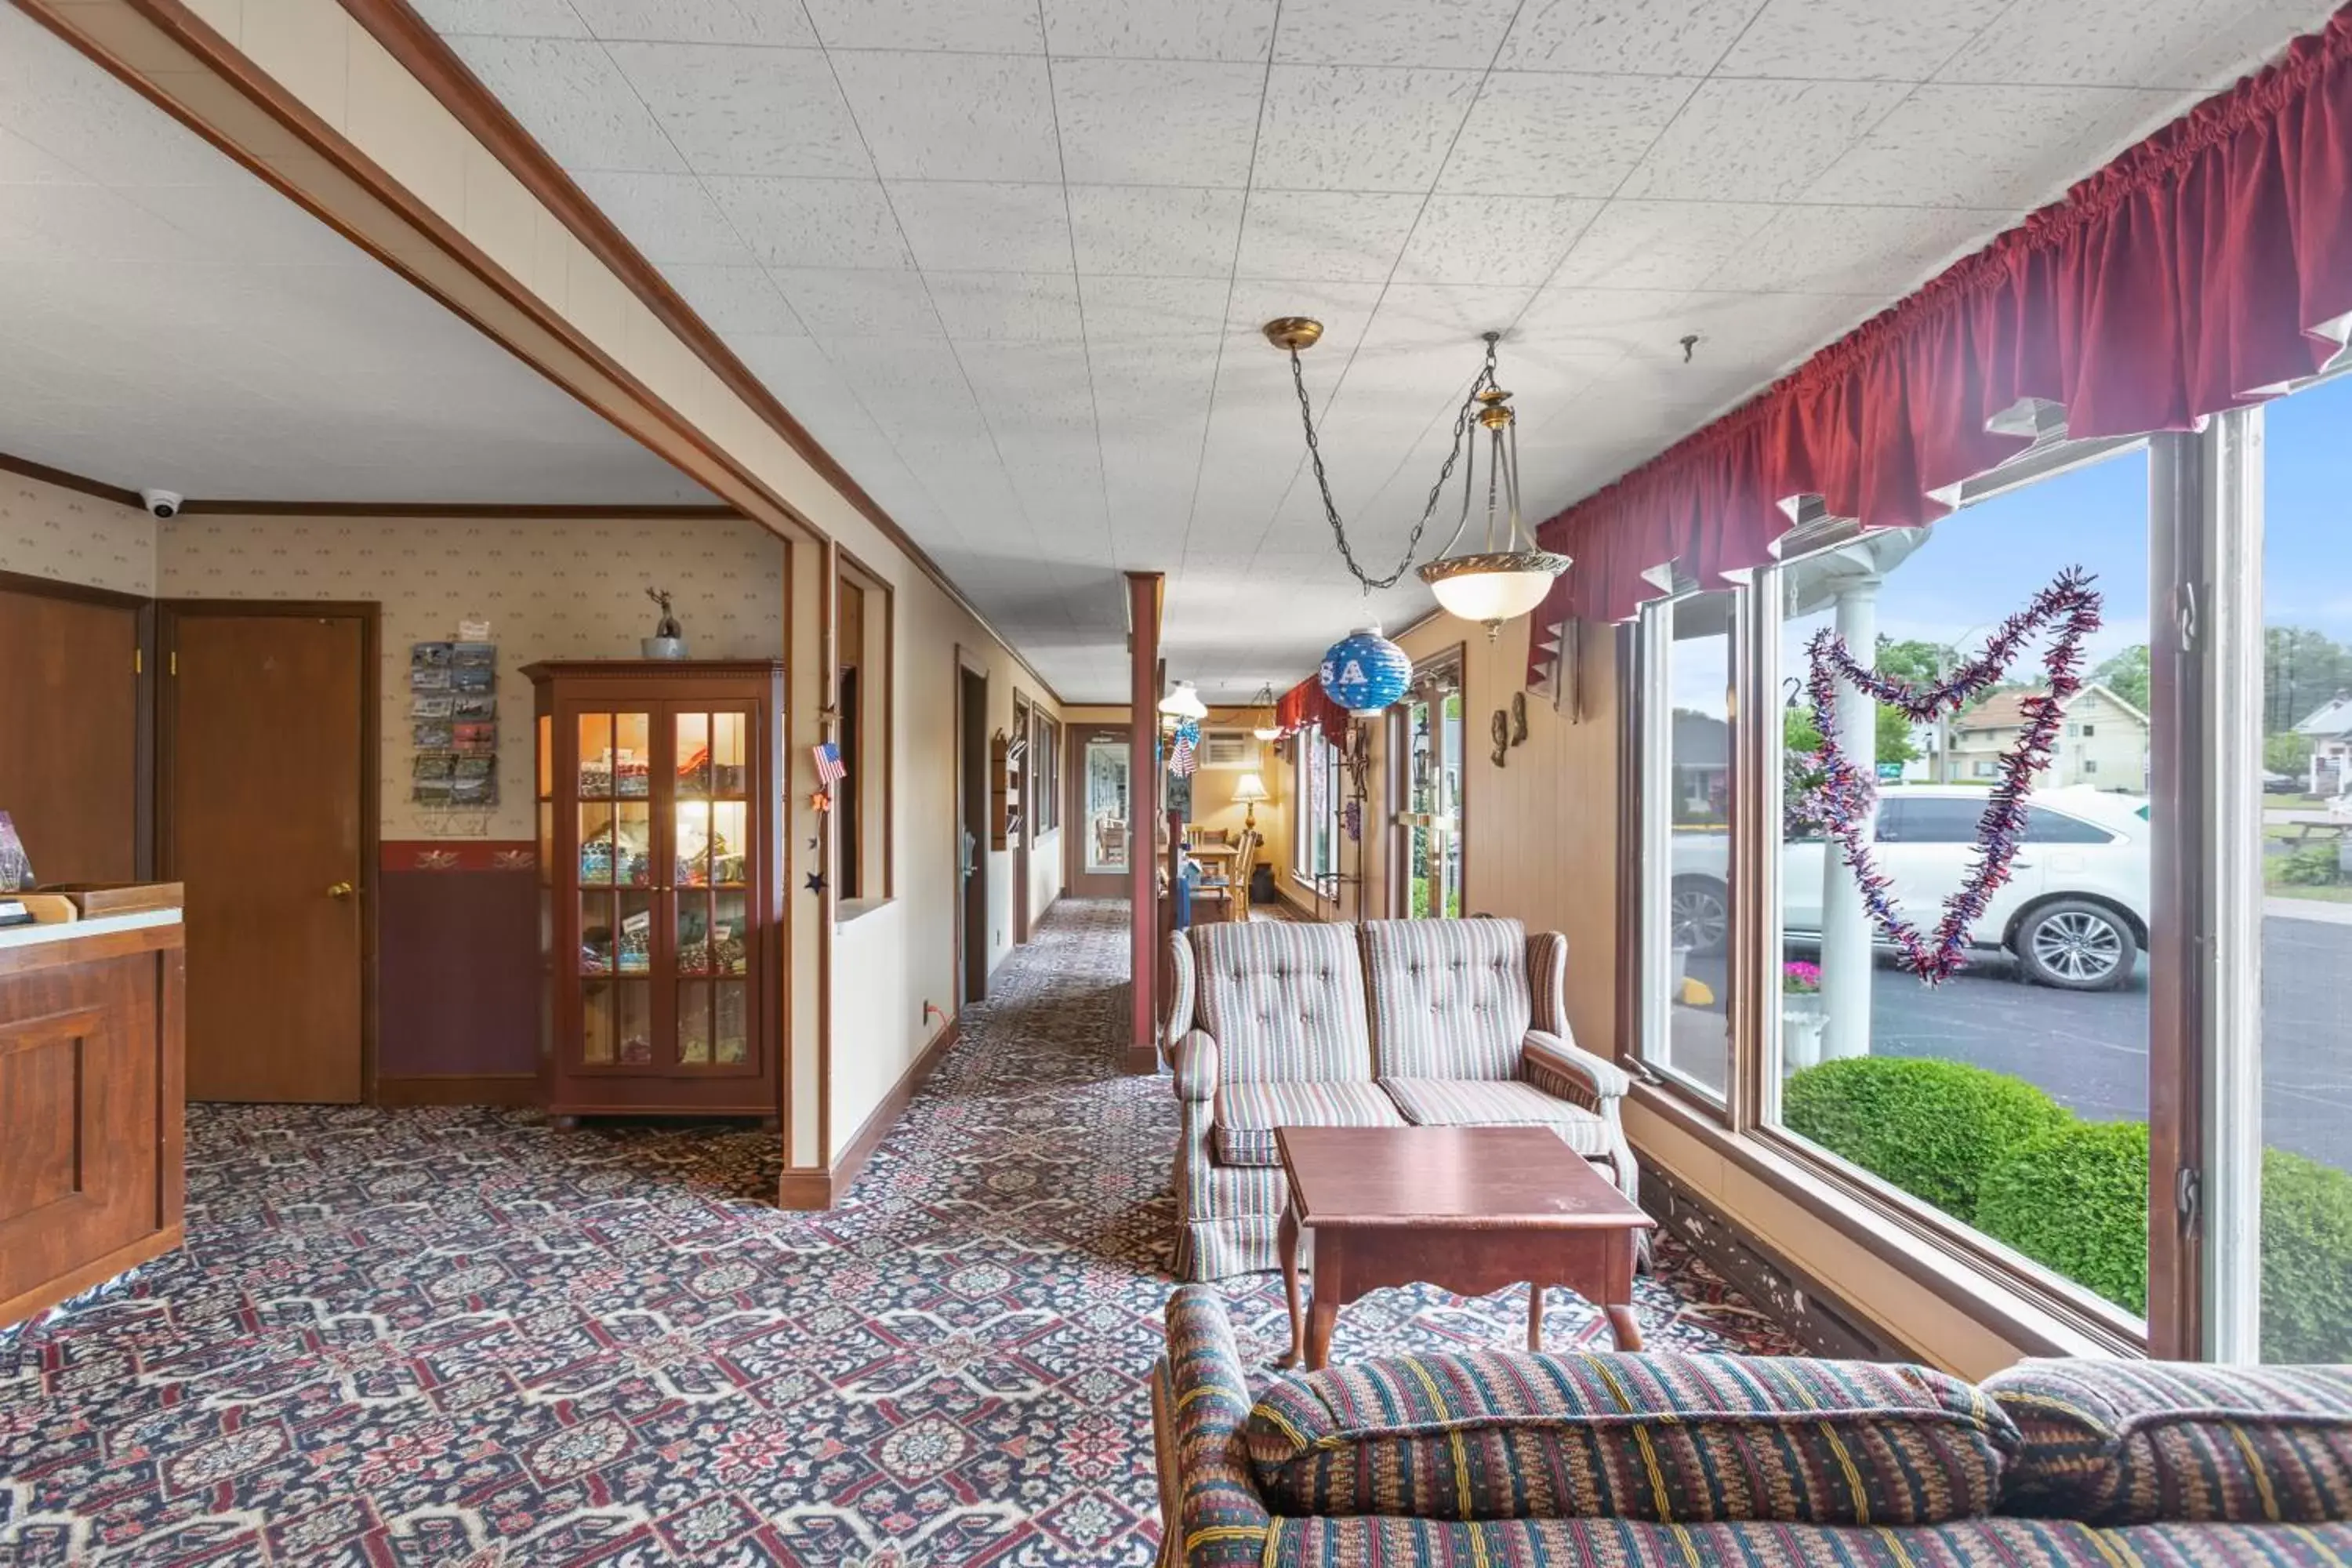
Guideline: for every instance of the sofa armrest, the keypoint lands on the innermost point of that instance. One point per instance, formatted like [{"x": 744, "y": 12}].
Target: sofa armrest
[
  {"x": 1196, "y": 1067},
  {"x": 1180, "y": 994},
  {"x": 1201, "y": 1404},
  {"x": 1560, "y": 1069}
]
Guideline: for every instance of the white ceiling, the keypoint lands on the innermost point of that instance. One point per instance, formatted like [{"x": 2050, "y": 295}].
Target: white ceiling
[
  {"x": 1008, "y": 258},
  {"x": 167, "y": 319}
]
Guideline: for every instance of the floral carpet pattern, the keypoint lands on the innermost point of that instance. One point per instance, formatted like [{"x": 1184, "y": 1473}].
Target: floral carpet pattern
[{"x": 459, "y": 1338}]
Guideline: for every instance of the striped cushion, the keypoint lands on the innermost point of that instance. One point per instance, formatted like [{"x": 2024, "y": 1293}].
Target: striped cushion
[
  {"x": 1675, "y": 1438},
  {"x": 1450, "y": 998},
  {"x": 2119, "y": 1442},
  {"x": 1373, "y": 1542},
  {"x": 1465, "y": 1102},
  {"x": 1283, "y": 1000},
  {"x": 1548, "y": 983},
  {"x": 1247, "y": 1115},
  {"x": 2206, "y": 1545}
]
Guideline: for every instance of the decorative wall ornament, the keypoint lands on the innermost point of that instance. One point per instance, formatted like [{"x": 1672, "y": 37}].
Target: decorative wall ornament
[
  {"x": 1520, "y": 718},
  {"x": 669, "y": 640},
  {"x": 1364, "y": 672},
  {"x": 1849, "y": 792},
  {"x": 1501, "y": 731}
]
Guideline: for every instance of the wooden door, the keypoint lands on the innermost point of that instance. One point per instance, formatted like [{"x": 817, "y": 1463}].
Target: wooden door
[
  {"x": 69, "y": 761},
  {"x": 263, "y": 819},
  {"x": 1094, "y": 815}
]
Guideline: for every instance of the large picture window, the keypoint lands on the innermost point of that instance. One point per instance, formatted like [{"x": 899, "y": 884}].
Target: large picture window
[
  {"x": 1425, "y": 733},
  {"x": 1321, "y": 780}
]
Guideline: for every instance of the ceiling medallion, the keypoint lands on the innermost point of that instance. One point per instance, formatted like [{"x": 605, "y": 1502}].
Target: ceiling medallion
[{"x": 1510, "y": 575}]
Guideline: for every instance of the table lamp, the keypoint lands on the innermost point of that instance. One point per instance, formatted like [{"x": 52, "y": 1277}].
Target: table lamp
[{"x": 1249, "y": 790}]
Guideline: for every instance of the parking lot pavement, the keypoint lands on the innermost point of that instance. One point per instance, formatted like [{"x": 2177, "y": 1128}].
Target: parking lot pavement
[{"x": 2089, "y": 1048}]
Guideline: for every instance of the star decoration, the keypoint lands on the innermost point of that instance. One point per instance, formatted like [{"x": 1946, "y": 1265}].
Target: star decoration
[{"x": 816, "y": 883}]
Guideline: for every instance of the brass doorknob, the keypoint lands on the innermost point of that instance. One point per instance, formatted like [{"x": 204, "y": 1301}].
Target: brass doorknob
[{"x": 340, "y": 890}]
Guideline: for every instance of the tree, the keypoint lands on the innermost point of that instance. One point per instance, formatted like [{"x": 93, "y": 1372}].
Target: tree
[
  {"x": 2126, "y": 675},
  {"x": 2303, "y": 670},
  {"x": 2287, "y": 753},
  {"x": 1798, "y": 734}
]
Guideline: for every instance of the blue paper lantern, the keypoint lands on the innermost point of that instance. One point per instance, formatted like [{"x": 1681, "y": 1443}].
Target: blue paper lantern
[{"x": 1364, "y": 672}]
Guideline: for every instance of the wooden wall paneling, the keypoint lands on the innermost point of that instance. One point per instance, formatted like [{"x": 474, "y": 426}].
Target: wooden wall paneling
[
  {"x": 1143, "y": 595},
  {"x": 460, "y": 970},
  {"x": 75, "y": 711}
]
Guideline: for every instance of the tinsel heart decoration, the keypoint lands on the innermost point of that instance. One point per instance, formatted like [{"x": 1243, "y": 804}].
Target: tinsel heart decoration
[{"x": 1849, "y": 793}]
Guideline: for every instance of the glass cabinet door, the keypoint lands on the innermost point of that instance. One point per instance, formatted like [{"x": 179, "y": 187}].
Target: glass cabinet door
[
  {"x": 710, "y": 846},
  {"x": 614, "y": 806}
]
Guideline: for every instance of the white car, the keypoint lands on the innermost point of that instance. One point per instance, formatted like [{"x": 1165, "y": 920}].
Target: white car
[{"x": 2074, "y": 912}]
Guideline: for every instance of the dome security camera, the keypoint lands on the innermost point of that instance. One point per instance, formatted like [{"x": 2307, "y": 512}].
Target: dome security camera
[{"x": 163, "y": 503}]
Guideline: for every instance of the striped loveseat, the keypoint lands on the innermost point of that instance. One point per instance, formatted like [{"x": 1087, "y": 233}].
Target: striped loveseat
[
  {"x": 1392, "y": 1023},
  {"x": 1503, "y": 1459}
]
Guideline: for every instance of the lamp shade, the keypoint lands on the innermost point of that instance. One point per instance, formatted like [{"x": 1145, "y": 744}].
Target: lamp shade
[
  {"x": 1183, "y": 701},
  {"x": 1250, "y": 788},
  {"x": 1364, "y": 672},
  {"x": 1495, "y": 588}
]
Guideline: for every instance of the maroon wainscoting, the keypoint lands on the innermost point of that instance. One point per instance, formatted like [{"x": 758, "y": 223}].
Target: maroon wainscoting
[{"x": 457, "y": 974}]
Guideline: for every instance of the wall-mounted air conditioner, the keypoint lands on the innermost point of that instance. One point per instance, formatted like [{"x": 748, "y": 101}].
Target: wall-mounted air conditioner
[{"x": 1228, "y": 749}]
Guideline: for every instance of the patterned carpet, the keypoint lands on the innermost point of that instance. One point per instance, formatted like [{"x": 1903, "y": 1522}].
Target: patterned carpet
[{"x": 454, "y": 1337}]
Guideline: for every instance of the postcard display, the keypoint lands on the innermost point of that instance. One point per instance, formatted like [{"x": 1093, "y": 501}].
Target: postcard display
[
  {"x": 453, "y": 723},
  {"x": 661, "y": 893}
]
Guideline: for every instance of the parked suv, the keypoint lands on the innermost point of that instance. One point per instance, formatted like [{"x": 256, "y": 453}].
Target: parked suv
[{"x": 2073, "y": 914}]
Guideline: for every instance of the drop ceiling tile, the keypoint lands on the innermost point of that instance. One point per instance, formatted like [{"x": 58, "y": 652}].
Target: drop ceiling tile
[
  {"x": 1358, "y": 128},
  {"x": 670, "y": 218},
  {"x": 1960, "y": 146},
  {"x": 834, "y": 302},
  {"x": 1550, "y": 135},
  {"x": 1885, "y": 251},
  {"x": 1162, "y": 230},
  {"x": 2150, "y": 43},
  {"x": 1660, "y": 245},
  {"x": 1157, "y": 122},
  {"x": 1420, "y": 315},
  {"x": 575, "y": 101},
  {"x": 1325, "y": 236},
  {"x": 952, "y": 117},
  {"x": 1143, "y": 309},
  {"x": 249, "y": 224},
  {"x": 1645, "y": 37},
  {"x": 1562, "y": 319},
  {"x": 733, "y": 111},
  {"x": 22, "y": 164},
  {"x": 1459, "y": 34},
  {"x": 1021, "y": 305},
  {"x": 971, "y": 27},
  {"x": 734, "y": 300},
  {"x": 812, "y": 223},
  {"x": 1758, "y": 141},
  {"x": 1161, "y": 29},
  {"x": 1493, "y": 239},
  {"x": 1344, "y": 309},
  {"x": 984, "y": 226},
  {"x": 775, "y": 22},
  {"x": 508, "y": 18},
  {"x": 1049, "y": 378},
  {"x": 1848, "y": 40}
]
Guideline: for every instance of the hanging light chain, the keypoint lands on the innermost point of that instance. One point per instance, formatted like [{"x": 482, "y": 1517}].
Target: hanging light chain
[{"x": 1485, "y": 379}]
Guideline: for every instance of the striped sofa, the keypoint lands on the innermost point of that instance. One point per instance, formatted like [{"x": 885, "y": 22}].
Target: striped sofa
[
  {"x": 1387, "y": 1024},
  {"x": 1503, "y": 1459}
]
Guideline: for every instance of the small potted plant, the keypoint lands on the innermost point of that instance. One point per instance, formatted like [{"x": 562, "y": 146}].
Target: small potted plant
[{"x": 1802, "y": 1018}]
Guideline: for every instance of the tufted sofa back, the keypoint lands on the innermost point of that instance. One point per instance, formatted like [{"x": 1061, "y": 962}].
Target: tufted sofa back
[
  {"x": 1284, "y": 1002},
  {"x": 1450, "y": 998}
]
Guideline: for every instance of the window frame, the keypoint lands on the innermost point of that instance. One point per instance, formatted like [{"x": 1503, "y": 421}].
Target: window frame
[
  {"x": 1045, "y": 748},
  {"x": 1311, "y": 746},
  {"x": 1449, "y": 663},
  {"x": 870, "y": 751}
]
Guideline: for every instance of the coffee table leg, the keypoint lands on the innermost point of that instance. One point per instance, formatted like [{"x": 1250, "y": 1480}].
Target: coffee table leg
[
  {"x": 1286, "y": 1243},
  {"x": 1623, "y": 1256},
  {"x": 1622, "y": 1324},
  {"x": 1534, "y": 1317},
  {"x": 1322, "y": 1316}
]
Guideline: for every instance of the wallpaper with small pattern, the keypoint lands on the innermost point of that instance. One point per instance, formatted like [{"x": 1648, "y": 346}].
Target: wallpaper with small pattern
[
  {"x": 549, "y": 589},
  {"x": 47, "y": 531}
]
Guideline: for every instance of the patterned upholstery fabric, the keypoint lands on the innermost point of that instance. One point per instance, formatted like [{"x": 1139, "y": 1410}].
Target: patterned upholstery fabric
[
  {"x": 1450, "y": 998},
  {"x": 1247, "y": 1115},
  {"x": 1196, "y": 1066},
  {"x": 1284, "y": 1000},
  {"x": 2117, "y": 1442},
  {"x": 1554, "y": 1063},
  {"x": 1220, "y": 1521},
  {"x": 1548, "y": 983},
  {"x": 1182, "y": 995},
  {"x": 1670, "y": 1438},
  {"x": 1378, "y": 1542},
  {"x": 1230, "y": 1215},
  {"x": 2204, "y": 1545},
  {"x": 1469, "y": 1102}
]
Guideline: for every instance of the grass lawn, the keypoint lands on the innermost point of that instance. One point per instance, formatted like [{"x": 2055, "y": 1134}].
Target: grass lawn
[{"x": 2339, "y": 894}]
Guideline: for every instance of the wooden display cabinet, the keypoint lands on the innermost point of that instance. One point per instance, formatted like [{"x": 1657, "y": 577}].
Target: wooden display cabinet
[{"x": 661, "y": 890}]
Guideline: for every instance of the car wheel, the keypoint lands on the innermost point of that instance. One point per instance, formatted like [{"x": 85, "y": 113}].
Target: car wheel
[
  {"x": 1698, "y": 916},
  {"x": 2076, "y": 945}
]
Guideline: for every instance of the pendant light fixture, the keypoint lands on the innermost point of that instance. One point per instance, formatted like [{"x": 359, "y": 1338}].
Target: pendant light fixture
[
  {"x": 1501, "y": 581},
  {"x": 1266, "y": 724},
  {"x": 1183, "y": 701}
]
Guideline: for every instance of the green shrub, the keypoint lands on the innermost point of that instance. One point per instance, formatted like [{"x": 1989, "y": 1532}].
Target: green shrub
[
  {"x": 2306, "y": 1259},
  {"x": 1932, "y": 1128},
  {"x": 2075, "y": 1200},
  {"x": 2312, "y": 867}
]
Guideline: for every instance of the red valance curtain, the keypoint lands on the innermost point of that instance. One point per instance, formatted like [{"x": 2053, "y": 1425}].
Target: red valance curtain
[
  {"x": 2197, "y": 272},
  {"x": 1306, "y": 703}
]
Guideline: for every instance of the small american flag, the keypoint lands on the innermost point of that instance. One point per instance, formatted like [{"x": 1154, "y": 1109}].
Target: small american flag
[
  {"x": 830, "y": 769},
  {"x": 1182, "y": 757}
]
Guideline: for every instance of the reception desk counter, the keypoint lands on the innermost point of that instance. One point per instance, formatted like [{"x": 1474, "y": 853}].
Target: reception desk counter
[{"x": 92, "y": 1099}]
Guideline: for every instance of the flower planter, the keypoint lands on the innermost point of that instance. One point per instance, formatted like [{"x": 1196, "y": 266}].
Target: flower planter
[{"x": 1801, "y": 1022}]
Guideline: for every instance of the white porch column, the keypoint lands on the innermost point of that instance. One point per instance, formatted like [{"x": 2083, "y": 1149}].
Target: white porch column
[{"x": 1845, "y": 924}]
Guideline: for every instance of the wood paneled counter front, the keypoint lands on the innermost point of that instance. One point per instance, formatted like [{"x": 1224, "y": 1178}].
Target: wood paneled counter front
[{"x": 92, "y": 1103}]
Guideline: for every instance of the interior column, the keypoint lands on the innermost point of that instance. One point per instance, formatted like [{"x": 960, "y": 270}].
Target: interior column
[
  {"x": 1142, "y": 817},
  {"x": 1846, "y": 953}
]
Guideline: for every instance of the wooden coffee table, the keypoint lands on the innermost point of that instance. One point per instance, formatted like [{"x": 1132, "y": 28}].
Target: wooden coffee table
[{"x": 1468, "y": 1209}]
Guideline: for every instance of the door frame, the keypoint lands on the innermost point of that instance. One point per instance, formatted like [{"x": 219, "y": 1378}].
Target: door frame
[
  {"x": 169, "y": 614},
  {"x": 142, "y": 745},
  {"x": 1077, "y": 881},
  {"x": 967, "y": 663}
]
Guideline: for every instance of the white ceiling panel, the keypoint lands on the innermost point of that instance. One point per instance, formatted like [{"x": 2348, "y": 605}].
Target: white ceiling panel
[{"x": 1035, "y": 242}]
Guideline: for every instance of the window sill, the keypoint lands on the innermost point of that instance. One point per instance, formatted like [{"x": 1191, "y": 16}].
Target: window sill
[
  {"x": 2036, "y": 1318},
  {"x": 851, "y": 909}
]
